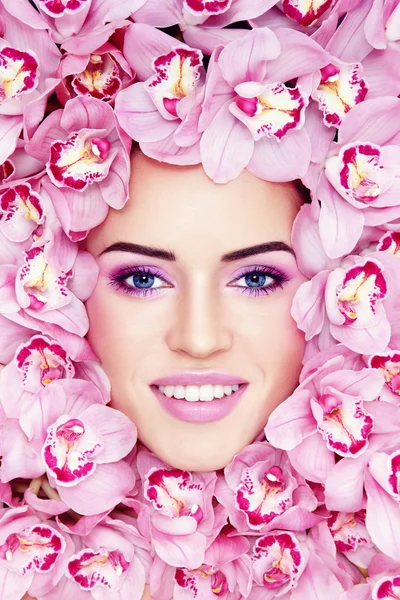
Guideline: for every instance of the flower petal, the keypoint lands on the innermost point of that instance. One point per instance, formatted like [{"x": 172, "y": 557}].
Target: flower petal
[
  {"x": 284, "y": 160},
  {"x": 219, "y": 147}
]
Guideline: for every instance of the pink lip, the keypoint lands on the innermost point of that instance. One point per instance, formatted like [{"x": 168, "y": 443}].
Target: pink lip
[
  {"x": 200, "y": 411},
  {"x": 199, "y": 379}
]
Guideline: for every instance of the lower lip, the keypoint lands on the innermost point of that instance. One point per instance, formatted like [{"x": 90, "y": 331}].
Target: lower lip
[{"x": 200, "y": 411}]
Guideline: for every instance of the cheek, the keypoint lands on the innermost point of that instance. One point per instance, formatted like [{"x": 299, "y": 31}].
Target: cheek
[
  {"x": 280, "y": 346},
  {"x": 110, "y": 326}
]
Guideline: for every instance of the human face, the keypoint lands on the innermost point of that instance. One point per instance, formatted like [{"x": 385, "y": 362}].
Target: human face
[{"x": 197, "y": 313}]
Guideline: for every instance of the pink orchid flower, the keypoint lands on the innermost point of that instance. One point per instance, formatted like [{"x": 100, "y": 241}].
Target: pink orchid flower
[
  {"x": 28, "y": 65},
  {"x": 199, "y": 12},
  {"x": 358, "y": 299},
  {"x": 361, "y": 178},
  {"x": 306, "y": 13},
  {"x": 170, "y": 95},
  {"x": 71, "y": 21},
  {"x": 80, "y": 444},
  {"x": 351, "y": 537},
  {"x": 369, "y": 482},
  {"x": 331, "y": 406},
  {"x": 383, "y": 498},
  {"x": 112, "y": 560},
  {"x": 33, "y": 553},
  {"x": 261, "y": 491},
  {"x": 389, "y": 365},
  {"x": 22, "y": 211},
  {"x": 41, "y": 289},
  {"x": 226, "y": 573},
  {"x": 101, "y": 72},
  {"x": 247, "y": 104},
  {"x": 202, "y": 22},
  {"x": 320, "y": 542},
  {"x": 306, "y": 17},
  {"x": 373, "y": 27},
  {"x": 176, "y": 511},
  {"x": 278, "y": 561},
  {"x": 351, "y": 76},
  {"x": 382, "y": 581},
  {"x": 86, "y": 158},
  {"x": 36, "y": 364}
]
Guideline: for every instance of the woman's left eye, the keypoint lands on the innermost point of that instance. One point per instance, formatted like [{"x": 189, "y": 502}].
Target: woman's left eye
[
  {"x": 261, "y": 280},
  {"x": 140, "y": 280}
]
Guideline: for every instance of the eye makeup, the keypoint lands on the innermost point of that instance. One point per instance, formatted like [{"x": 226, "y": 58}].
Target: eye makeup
[{"x": 143, "y": 275}]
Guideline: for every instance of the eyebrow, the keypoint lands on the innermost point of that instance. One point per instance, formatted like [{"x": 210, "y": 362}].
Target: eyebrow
[{"x": 169, "y": 255}]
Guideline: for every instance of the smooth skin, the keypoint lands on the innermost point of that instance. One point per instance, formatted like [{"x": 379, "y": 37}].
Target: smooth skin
[
  {"x": 201, "y": 317},
  {"x": 198, "y": 320}
]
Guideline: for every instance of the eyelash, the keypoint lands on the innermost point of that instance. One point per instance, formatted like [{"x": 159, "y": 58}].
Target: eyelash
[{"x": 117, "y": 280}]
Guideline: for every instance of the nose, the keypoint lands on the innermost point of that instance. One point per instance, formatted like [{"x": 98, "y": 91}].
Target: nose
[{"x": 199, "y": 326}]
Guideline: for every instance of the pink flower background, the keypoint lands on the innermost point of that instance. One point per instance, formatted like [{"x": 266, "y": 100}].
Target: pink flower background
[{"x": 307, "y": 90}]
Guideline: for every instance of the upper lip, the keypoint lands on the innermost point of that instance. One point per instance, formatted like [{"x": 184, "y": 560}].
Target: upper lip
[{"x": 191, "y": 378}]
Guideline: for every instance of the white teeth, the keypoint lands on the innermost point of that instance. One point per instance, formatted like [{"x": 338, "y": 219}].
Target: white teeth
[
  {"x": 179, "y": 391},
  {"x": 206, "y": 392},
  {"x": 193, "y": 393}
]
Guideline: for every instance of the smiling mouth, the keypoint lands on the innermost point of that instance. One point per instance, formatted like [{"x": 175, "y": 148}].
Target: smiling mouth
[{"x": 199, "y": 394}]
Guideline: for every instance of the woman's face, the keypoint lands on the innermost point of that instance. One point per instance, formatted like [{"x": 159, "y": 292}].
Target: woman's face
[{"x": 200, "y": 305}]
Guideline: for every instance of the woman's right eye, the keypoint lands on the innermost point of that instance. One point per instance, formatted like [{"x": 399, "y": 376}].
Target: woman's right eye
[{"x": 137, "y": 281}]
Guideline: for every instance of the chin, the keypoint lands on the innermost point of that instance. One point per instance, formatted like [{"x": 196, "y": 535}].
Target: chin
[{"x": 189, "y": 459}]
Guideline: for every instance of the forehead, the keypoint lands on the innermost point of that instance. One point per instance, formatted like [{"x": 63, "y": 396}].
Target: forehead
[{"x": 170, "y": 205}]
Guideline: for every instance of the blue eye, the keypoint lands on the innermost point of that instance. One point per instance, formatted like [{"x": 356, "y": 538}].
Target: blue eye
[
  {"x": 258, "y": 280},
  {"x": 261, "y": 280},
  {"x": 142, "y": 280}
]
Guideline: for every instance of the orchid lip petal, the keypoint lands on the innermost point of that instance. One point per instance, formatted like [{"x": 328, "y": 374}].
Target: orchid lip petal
[
  {"x": 44, "y": 288},
  {"x": 359, "y": 173},
  {"x": 202, "y": 580},
  {"x": 59, "y": 8},
  {"x": 305, "y": 13},
  {"x": 42, "y": 361},
  {"x": 174, "y": 493},
  {"x": 275, "y": 111},
  {"x": 83, "y": 159},
  {"x": 349, "y": 531},
  {"x": 264, "y": 494},
  {"x": 177, "y": 75},
  {"x": 389, "y": 365},
  {"x": 97, "y": 568},
  {"x": 390, "y": 242},
  {"x": 341, "y": 88},
  {"x": 35, "y": 549},
  {"x": 22, "y": 212},
  {"x": 362, "y": 288},
  {"x": 278, "y": 562},
  {"x": 343, "y": 423},
  {"x": 70, "y": 449},
  {"x": 101, "y": 78},
  {"x": 19, "y": 73},
  {"x": 207, "y": 7},
  {"x": 386, "y": 588}
]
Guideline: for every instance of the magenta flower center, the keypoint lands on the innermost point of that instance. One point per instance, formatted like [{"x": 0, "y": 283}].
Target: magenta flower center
[
  {"x": 35, "y": 548},
  {"x": 18, "y": 73},
  {"x": 90, "y": 568},
  {"x": 100, "y": 79}
]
